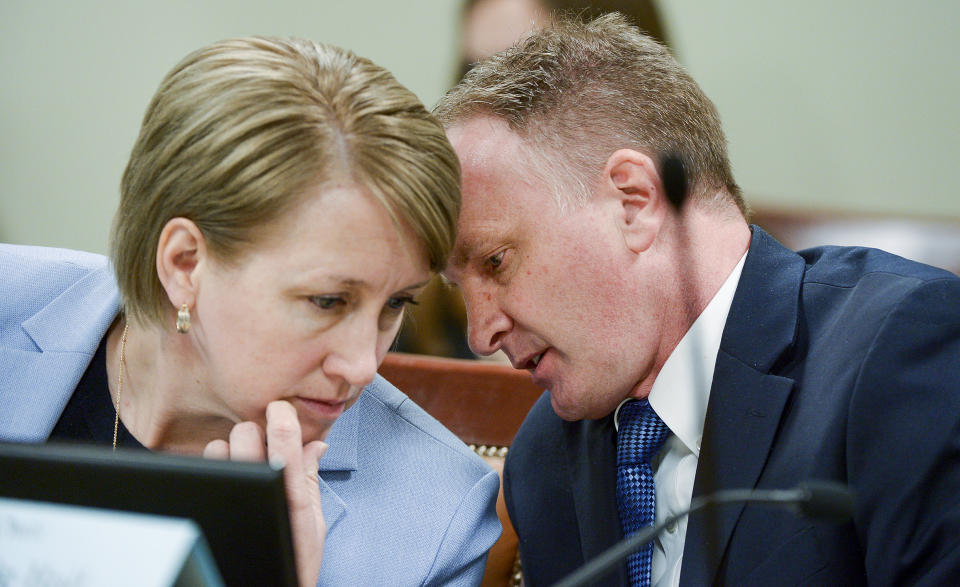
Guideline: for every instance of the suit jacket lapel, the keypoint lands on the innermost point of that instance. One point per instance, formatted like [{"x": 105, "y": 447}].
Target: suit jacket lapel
[
  {"x": 341, "y": 457},
  {"x": 66, "y": 333},
  {"x": 737, "y": 438},
  {"x": 593, "y": 474},
  {"x": 746, "y": 400}
]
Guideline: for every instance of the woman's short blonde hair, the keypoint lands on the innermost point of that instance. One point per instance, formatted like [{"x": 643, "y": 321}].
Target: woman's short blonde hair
[{"x": 240, "y": 130}]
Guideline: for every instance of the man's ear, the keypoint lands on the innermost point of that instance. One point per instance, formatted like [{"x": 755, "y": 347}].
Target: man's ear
[
  {"x": 181, "y": 255},
  {"x": 632, "y": 180}
]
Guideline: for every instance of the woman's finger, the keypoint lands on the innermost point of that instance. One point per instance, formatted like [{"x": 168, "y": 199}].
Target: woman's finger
[
  {"x": 312, "y": 452},
  {"x": 285, "y": 444},
  {"x": 217, "y": 449},
  {"x": 247, "y": 442}
]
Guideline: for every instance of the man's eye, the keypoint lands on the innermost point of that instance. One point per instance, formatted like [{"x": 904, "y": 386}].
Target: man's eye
[
  {"x": 399, "y": 302},
  {"x": 328, "y": 302},
  {"x": 494, "y": 261}
]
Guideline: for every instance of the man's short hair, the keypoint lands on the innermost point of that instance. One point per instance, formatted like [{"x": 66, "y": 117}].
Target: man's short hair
[
  {"x": 577, "y": 91},
  {"x": 239, "y": 131}
]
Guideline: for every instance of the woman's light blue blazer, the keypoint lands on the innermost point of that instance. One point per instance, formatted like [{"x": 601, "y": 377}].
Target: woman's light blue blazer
[{"x": 406, "y": 502}]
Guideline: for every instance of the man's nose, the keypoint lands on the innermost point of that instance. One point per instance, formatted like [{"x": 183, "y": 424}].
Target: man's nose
[{"x": 487, "y": 323}]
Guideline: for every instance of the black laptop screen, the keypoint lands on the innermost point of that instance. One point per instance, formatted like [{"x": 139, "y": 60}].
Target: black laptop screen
[{"x": 240, "y": 507}]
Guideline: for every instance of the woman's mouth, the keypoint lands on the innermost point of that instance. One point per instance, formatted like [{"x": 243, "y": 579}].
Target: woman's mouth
[{"x": 321, "y": 409}]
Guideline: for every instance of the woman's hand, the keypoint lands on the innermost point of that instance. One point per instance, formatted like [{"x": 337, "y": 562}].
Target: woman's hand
[{"x": 283, "y": 445}]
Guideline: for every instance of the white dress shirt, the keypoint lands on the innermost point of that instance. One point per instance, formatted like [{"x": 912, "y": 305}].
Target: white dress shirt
[{"x": 679, "y": 396}]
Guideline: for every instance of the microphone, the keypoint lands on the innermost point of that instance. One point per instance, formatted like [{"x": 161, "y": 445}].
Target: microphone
[{"x": 827, "y": 500}]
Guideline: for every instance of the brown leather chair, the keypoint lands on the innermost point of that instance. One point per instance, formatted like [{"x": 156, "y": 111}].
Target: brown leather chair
[{"x": 484, "y": 404}]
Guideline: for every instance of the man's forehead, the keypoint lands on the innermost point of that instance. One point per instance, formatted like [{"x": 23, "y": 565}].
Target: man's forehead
[
  {"x": 482, "y": 140},
  {"x": 494, "y": 175}
]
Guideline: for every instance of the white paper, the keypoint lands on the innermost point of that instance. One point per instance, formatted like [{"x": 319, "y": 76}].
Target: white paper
[{"x": 45, "y": 544}]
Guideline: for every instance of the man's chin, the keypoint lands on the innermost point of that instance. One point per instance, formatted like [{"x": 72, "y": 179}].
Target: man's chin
[
  {"x": 574, "y": 411},
  {"x": 566, "y": 411}
]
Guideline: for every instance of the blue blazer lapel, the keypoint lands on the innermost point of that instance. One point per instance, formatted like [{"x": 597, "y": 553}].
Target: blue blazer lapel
[
  {"x": 747, "y": 398},
  {"x": 340, "y": 459},
  {"x": 65, "y": 333},
  {"x": 593, "y": 475}
]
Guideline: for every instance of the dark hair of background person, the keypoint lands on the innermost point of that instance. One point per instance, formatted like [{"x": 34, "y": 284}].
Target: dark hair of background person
[
  {"x": 642, "y": 13},
  {"x": 438, "y": 326}
]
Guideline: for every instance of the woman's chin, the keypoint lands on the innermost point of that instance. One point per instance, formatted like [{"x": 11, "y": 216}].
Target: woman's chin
[{"x": 317, "y": 417}]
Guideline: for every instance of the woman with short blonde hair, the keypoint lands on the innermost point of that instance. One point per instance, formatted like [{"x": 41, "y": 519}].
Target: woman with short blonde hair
[{"x": 283, "y": 203}]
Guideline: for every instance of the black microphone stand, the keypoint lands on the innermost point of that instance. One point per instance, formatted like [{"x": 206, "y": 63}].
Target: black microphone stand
[{"x": 822, "y": 499}]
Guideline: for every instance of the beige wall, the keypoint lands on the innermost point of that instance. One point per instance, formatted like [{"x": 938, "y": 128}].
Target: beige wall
[
  {"x": 837, "y": 104},
  {"x": 77, "y": 76},
  {"x": 850, "y": 105}
]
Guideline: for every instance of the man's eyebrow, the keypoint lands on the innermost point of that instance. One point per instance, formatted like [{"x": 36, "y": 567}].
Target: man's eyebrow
[
  {"x": 458, "y": 258},
  {"x": 479, "y": 238},
  {"x": 460, "y": 253}
]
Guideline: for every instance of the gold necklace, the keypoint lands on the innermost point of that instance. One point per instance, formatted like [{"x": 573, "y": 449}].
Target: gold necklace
[{"x": 123, "y": 359}]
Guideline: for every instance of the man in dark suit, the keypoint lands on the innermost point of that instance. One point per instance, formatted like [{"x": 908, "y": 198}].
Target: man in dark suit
[{"x": 763, "y": 367}]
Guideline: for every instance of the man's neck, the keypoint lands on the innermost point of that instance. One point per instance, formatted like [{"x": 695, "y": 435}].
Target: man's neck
[{"x": 701, "y": 248}]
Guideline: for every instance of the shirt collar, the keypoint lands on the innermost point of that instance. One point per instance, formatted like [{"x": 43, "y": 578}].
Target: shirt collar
[{"x": 682, "y": 388}]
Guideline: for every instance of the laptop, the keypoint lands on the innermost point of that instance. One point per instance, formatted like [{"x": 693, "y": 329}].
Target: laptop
[{"x": 240, "y": 507}]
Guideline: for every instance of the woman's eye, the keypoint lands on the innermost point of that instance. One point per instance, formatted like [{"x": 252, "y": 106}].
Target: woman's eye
[
  {"x": 328, "y": 302},
  {"x": 399, "y": 302}
]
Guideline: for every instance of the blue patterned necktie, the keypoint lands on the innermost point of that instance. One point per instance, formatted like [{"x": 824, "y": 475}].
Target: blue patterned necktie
[{"x": 641, "y": 434}]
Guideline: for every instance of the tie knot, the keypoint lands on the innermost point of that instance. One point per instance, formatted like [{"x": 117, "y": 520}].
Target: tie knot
[{"x": 641, "y": 433}]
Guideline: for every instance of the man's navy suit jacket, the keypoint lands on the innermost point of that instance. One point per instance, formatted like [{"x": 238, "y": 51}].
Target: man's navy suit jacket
[{"x": 835, "y": 363}]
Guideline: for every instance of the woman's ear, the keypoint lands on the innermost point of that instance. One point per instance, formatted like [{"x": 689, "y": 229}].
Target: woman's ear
[
  {"x": 181, "y": 256},
  {"x": 632, "y": 180}
]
